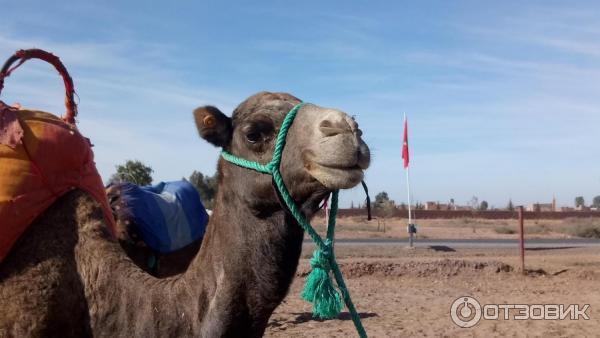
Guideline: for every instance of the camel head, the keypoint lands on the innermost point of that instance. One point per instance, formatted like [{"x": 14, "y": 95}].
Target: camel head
[{"x": 324, "y": 149}]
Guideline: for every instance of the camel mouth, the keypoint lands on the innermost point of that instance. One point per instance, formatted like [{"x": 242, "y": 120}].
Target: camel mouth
[
  {"x": 336, "y": 177},
  {"x": 340, "y": 167},
  {"x": 342, "y": 170}
]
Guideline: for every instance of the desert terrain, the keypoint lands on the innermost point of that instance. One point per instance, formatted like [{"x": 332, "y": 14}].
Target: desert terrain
[{"x": 408, "y": 292}]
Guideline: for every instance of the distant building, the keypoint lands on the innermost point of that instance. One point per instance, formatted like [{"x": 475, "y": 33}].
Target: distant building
[
  {"x": 437, "y": 206},
  {"x": 541, "y": 207},
  {"x": 430, "y": 205},
  {"x": 545, "y": 207}
]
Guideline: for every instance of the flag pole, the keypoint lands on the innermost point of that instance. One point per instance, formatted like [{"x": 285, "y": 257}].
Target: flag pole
[
  {"x": 409, "y": 228},
  {"x": 410, "y": 232}
]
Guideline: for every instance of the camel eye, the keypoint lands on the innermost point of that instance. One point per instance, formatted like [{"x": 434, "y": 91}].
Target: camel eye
[
  {"x": 258, "y": 131},
  {"x": 253, "y": 137}
]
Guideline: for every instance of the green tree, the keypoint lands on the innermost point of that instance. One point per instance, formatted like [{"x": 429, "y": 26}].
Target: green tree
[
  {"x": 384, "y": 205},
  {"x": 381, "y": 197},
  {"x": 510, "y": 206},
  {"x": 596, "y": 202},
  {"x": 206, "y": 186},
  {"x": 483, "y": 206},
  {"x": 133, "y": 171},
  {"x": 388, "y": 209},
  {"x": 579, "y": 201}
]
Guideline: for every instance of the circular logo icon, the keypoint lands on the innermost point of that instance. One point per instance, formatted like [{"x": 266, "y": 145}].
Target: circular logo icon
[{"x": 465, "y": 312}]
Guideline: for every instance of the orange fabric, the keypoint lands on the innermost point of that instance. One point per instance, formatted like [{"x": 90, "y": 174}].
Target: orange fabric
[{"x": 50, "y": 159}]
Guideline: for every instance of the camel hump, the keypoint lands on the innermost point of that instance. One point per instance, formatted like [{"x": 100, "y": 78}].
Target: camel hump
[{"x": 166, "y": 217}]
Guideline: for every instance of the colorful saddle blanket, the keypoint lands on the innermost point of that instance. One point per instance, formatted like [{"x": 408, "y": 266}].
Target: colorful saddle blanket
[
  {"x": 41, "y": 158},
  {"x": 168, "y": 216}
]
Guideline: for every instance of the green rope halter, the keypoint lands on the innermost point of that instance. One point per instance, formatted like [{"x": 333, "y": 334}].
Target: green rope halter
[{"x": 319, "y": 288}]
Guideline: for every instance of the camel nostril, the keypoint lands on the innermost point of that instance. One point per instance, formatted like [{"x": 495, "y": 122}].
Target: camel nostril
[
  {"x": 330, "y": 129},
  {"x": 363, "y": 156}
]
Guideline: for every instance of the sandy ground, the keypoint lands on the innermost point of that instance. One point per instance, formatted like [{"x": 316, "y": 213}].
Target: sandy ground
[
  {"x": 401, "y": 292},
  {"x": 463, "y": 228}
]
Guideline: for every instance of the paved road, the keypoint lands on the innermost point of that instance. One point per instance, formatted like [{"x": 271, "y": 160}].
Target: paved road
[{"x": 473, "y": 243}]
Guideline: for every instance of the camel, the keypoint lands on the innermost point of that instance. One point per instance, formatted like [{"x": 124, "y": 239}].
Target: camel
[{"x": 68, "y": 277}]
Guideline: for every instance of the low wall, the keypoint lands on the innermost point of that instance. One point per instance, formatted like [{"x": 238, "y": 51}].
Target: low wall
[{"x": 493, "y": 214}]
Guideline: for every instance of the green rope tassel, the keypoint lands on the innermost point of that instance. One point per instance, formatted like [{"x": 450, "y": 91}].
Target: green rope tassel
[{"x": 319, "y": 288}]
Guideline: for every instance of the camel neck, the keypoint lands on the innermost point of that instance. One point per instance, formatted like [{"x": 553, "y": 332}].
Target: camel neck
[{"x": 251, "y": 256}]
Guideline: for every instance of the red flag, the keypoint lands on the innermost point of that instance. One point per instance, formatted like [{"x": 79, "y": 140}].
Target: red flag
[{"x": 405, "y": 144}]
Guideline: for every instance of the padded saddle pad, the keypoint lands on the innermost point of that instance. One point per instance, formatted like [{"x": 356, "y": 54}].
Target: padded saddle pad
[
  {"x": 41, "y": 158},
  {"x": 168, "y": 216}
]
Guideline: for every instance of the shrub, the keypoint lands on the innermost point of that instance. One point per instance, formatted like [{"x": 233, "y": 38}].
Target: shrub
[
  {"x": 505, "y": 230},
  {"x": 586, "y": 231}
]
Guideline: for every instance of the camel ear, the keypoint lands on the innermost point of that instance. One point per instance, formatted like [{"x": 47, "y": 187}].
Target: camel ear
[{"x": 213, "y": 125}]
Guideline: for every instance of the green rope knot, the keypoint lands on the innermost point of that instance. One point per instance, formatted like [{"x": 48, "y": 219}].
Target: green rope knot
[
  {"x": 321, "y": 258},
  {"x": 319, "y": 288}
]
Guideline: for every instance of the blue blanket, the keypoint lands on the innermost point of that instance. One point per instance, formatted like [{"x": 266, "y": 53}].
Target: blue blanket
[{"x": 169, "y": 215}]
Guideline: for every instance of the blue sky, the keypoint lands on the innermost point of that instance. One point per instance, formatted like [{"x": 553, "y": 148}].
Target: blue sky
[{"x": 503, "y": 98}]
